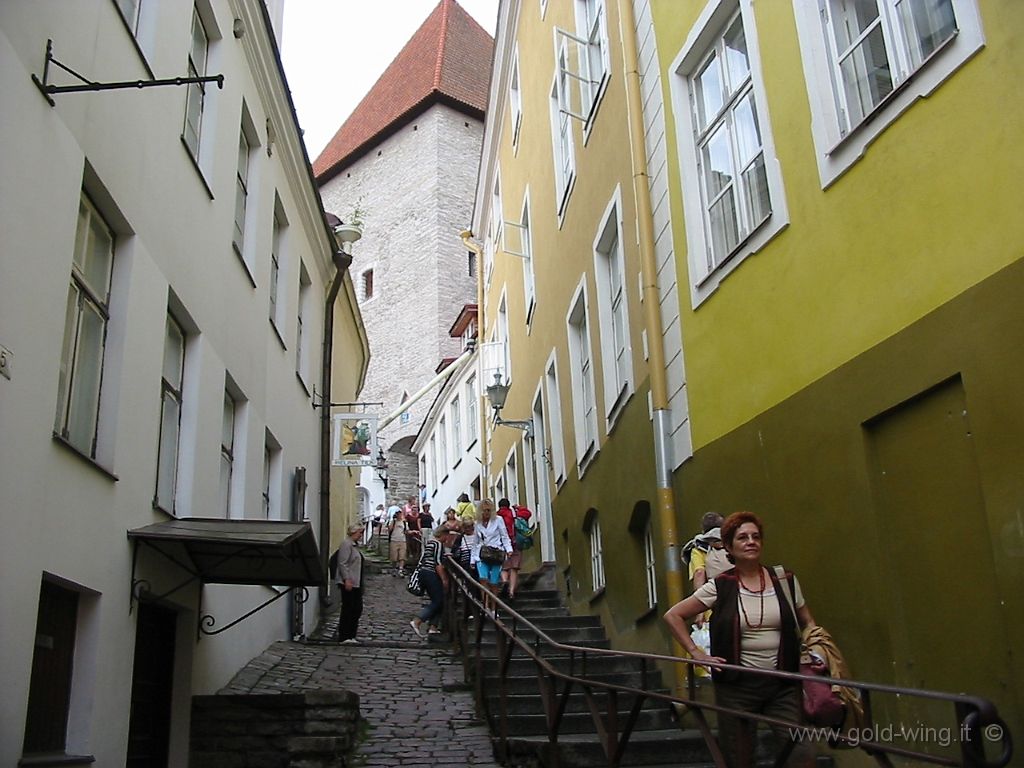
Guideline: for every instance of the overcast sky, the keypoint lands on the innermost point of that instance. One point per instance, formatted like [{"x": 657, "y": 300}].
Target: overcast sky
[{"x": 334, "y": 51}]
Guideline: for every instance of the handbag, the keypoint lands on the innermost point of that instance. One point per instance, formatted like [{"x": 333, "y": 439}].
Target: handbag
[
  {"x": 415, "y": 586},
  {"x": 492, "y": 555},
  {"x": 822, "y": 706}
]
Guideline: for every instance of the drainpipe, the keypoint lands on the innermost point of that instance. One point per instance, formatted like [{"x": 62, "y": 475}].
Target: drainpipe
[
  {"x": 466, "y": 236},
  {"x": 666, "y": 517},
  {"x": 342, "y": 261}
]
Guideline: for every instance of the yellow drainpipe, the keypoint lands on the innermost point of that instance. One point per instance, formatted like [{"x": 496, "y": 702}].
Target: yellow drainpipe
[{"x": 666, "y": 516}]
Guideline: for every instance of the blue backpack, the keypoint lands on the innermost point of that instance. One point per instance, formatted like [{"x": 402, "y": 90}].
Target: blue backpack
[{"x": 524, "y": 534}]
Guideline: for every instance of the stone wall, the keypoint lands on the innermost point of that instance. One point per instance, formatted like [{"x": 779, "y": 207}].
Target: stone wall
[{"x": 315, "y": 729}]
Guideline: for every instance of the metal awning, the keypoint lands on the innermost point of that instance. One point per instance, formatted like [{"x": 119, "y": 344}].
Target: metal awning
[{"x": 267, "y": 552}]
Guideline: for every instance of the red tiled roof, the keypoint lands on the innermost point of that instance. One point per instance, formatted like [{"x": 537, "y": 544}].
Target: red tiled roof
[{"x": 447, "y": 59}]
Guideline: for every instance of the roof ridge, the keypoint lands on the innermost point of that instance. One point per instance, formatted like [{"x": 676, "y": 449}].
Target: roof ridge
[{"x": 439, "y": 62}]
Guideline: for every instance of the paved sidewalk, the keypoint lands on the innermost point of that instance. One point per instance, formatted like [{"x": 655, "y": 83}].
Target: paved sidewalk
[{"x": 400, "y": 679}]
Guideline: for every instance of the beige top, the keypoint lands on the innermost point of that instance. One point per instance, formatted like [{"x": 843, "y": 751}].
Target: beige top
[{"x": 759, "y": 644}]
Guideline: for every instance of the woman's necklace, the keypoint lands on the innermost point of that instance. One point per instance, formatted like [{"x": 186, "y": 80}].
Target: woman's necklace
[{"x": 760, "y": 619}]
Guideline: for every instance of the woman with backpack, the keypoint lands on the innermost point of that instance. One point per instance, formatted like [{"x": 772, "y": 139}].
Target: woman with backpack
[{"x": 510, "y": 568}]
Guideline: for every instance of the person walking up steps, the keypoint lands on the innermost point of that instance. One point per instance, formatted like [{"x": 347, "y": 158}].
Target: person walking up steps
[
  {"x": 396, "y": 540},
  {"x": 434, "y": 579}
]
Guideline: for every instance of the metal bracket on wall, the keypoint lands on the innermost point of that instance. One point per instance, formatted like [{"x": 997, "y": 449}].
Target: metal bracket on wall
[{"x": 48, "y": 89}]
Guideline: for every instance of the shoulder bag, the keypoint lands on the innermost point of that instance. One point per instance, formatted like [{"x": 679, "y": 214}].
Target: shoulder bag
[{"x": 492, "y": 555}]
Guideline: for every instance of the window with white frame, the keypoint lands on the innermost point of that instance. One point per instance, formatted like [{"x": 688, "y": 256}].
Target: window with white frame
[
  {"x": 472, "y": 412},
  {"x": 583, "y": 62},
  {"x": 471, "y": 263},
  {"x": 227, "y": 452},
  {"x": 442, "y": 446},
  {"x": 554, "y": 405},
  {"x": 275, "y": 268},
  {"x": 266, "y": 481},
  {"x": 85, "y": 331},
  {"x": 434, "y": 477},
  {"x": 456, "y": 420},
  {"x": 241, "y": 191},
  {"x": 874, "y": 58},
  {"x": 515, "y": 99},
  {"x": 503, "y": 338},
  {"x": 596, "y": 555},
  {"x": 650, "y": 567},
  {"x": 584, "y": 406},
  {"x": 195, "y": 98},
  {"x": 609, "y": 272},
  {"x": 272, "y": 476},
  {"x": 301, "y": 340},
  {"x": 512, "y": 478},
  {"x": 562, "y": 144},
  {"x": 518, "y": 242},
  {"x": 130, "y": 11},
  {"x": 169, "y": 444},
  {"x": 733, "y": 198}
]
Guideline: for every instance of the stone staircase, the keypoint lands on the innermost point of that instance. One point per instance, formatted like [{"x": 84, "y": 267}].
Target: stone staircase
[{"x": 657, "y": 738}]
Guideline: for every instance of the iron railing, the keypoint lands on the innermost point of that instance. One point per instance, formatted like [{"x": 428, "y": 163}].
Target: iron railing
[{"x": 977, "y": 719}]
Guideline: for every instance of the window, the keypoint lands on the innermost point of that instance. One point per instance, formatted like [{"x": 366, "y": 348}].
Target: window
[
  {"x": 515, "y": 99},
  {"x": 563, "y": 149},
  {"x": 596, "y": 555},
  {"x": 503, "y": 338},
  {"x": 275, "y": 267},
  {"x": 241, "y": 191},
  {"x": 583, "y": 62},
  {"x": 227, "y": 452},
  {"x": 272, "y": 476},
  {"x": 433, "y": 462},
  {"x": 582, "y": 376},
  {"x": 169, "y": 446},
  {"x": 367, "y": 282},
  {"x": 266, "y": 481},
  {"x": 511, "y": 475},
  {"x": 494, "y": 229},
  {"x": 301, "y": 342},
  {"x": 198, "y": 58},
  {"x": 85, "y": 331},
  {"x": 471, "y": 263},
  {"x": 49, "y": 695},
  {"x": 456, "y": 419},
  {"x": 519, "y": 243},
  {"x": 875, "y": 58},
  {"x": 472, "y": 417},
  {"x": 733, "y": 198},
  {"x": 442, "y": 443},
  {"x": 609, "y": 271},
  {"x": 130, "y": 11},
  {"x": 650, "y": 567},
  {"x": 554, "y": 404}
]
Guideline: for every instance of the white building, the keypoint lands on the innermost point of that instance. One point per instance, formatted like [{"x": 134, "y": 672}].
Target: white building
[
  {"x": 408, "y": 156},
  {"x": 164, "y": 264}
]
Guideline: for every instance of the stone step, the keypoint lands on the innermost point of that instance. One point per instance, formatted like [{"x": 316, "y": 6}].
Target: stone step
[
  {"x": 528, "y": 683},
  {"x": 663, "y": 746},
  {"x": 591, "y": 637},
  {"x": 583, "y": 722},
  {"x": 524, "y": 666},
  {"x": 532, "y": 704},
  {"x": 546, "y": 622}
]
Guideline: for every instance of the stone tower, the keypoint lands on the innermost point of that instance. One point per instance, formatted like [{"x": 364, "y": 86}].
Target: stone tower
[{"x": 408, "y": 156}]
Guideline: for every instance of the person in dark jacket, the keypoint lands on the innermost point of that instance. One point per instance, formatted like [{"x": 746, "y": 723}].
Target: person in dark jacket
[{"x": 752, "y": 625}]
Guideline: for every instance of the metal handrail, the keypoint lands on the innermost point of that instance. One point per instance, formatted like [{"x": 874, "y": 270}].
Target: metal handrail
[{"x": 975, "y": 715}]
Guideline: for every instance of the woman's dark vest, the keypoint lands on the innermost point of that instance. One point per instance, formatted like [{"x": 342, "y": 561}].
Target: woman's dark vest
[{"x": 725, "y": 626}]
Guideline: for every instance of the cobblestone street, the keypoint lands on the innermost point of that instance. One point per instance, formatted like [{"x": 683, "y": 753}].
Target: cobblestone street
[{"x": 404, "y": 683}]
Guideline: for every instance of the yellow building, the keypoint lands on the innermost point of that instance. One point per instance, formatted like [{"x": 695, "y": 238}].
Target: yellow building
[
  {"x": 829, "y": 195},
  {"x": 564, "y": 317},
  {"x": 846, "y": 211}
]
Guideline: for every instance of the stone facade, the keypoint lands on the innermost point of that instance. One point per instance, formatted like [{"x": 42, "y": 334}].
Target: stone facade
[{"x": 415, "y": 189}]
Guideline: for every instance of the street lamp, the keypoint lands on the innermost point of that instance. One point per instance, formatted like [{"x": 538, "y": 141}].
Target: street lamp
[
  {"x": 496, "y": 395},
  {"x": 381, "y": 467}
]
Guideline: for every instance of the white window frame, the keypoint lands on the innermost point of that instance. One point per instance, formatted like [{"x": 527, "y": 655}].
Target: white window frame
[
  {"x": 502, "y": 336},
  {"x": 650, "y": 567},
  {"x": 596, "y": 555},
  {"x": 613, "y": 310},
  {"x": 563, "y": 145},
  {"x": 472, "y": 411},
  {"x": 301, "y": 333},
  {"x": 276, "y": 244},
  {"x": 838, "y": 144},
  {"x": 434, "y": 477},
  {"x": 229, "y": 440},
  {"x": 553, "y": 404},
  {"x": 442, "y": 447},
  {"x": 266, "y": 480},
  {"x": 195, "y": 99},
  {"x": 165, "y": 495},
  {"x": 131, "y": 12},
  {"x": 89, "y": 295},
  {"x": 707, "y": 272},
  {"x": 515, "y": 101},
  {"x": 455, "y": 409},
  {"x": 511, "y": 475},
  {"x": 581, "y": 375}
]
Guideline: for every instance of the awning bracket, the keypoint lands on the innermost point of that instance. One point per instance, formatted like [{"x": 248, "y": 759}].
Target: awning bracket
[
  {"x": 48, "y": 89},
  {"x": 207, "y": 620}
]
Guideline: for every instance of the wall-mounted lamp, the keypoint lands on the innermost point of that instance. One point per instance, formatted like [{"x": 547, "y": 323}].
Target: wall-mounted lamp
[
  {"x": 381, "y": 467},
  {"x": 496, "y": 394}
]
